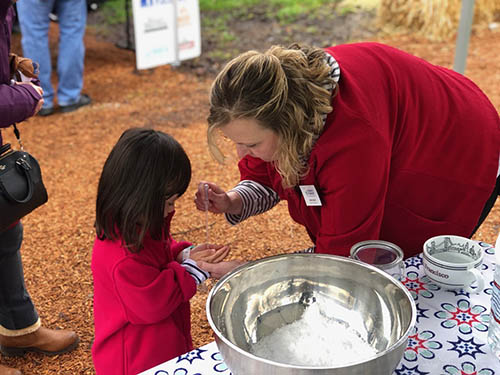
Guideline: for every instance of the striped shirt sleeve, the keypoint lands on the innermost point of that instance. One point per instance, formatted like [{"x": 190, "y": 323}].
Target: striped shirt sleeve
[
  {"x": 334, "y": 65},
  {"x": 256, "y": 199},
  {"x": 196, "y": 272}
]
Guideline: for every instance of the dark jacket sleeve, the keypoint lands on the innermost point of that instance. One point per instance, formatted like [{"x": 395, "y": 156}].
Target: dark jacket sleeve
[
  {"x": 4, "y": 7},
  {"x": 17, "y": 103}
]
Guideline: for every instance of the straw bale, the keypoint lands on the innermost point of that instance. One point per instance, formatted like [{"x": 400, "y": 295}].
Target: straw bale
[{"x": 433, "y": 19}]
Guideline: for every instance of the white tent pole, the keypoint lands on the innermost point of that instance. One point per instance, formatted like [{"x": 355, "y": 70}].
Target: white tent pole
[{"x": 464, "y": 27}]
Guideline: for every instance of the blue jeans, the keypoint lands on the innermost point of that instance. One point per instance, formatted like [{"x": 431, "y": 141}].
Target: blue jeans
[
  {"x": 17, "y": 311},
  {"x": 34, "y": 21}
]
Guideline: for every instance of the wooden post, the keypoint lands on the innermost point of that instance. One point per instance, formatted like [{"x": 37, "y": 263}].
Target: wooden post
[{"x": 128, "y": 43}]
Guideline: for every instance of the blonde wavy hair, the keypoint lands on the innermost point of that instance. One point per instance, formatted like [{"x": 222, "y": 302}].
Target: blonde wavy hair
[{"x": 283, "y": 89}]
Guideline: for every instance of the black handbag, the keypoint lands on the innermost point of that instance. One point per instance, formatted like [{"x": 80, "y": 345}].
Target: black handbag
[{"x": 21, "y": 185}]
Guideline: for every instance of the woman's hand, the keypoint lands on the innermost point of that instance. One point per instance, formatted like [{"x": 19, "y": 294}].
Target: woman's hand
[
  {"x": 217, "y": 270},
  {"x": 39, "y": 90},
  {"x": 209, "y": 253},
  {"x": 218, "y": 200}
]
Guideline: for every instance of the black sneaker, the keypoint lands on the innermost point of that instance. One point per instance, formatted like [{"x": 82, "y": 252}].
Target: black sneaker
[
  {"x": 84, "y": 100},
  {"x": 46, "y": 111}
]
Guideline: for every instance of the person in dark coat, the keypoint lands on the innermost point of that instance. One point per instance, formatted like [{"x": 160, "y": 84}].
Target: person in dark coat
[{"x": 20, "y": 327}]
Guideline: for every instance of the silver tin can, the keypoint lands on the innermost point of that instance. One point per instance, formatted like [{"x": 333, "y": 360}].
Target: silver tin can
[{"x": 382, "y": 254}]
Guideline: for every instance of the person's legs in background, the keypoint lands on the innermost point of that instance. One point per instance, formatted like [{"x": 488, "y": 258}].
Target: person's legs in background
[
  {"x": 72, "y": 18},
  {"x": 34, "y": 21},
  {"x": 20, "y": 328},
  {"x": 17, "y": 312}
]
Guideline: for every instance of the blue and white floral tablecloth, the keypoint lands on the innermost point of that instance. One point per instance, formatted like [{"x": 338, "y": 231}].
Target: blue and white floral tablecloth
[{"x": 449, "y": 337}]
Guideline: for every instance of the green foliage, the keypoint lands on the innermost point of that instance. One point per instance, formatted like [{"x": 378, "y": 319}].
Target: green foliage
[
  {"x": 114, "y": 11},
  {"x": 346, "y": 9},
  {"x": 227, "y": 5},
  {"x": 222, "y": 54},
  {"x": 286, "y": 11},
  {"x": 215, "y": 16},
  {"x": 289, "y": 10}
]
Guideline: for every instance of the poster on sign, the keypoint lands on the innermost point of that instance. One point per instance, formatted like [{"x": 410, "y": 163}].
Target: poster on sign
[{"x": 160, "y": 38}]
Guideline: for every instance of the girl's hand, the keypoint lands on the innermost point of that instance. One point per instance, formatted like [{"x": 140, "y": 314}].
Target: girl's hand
[
  {"x": 217, "y": 270},
  {"x": 218, "y": 200},
  {"x": 209, "y": 253}
]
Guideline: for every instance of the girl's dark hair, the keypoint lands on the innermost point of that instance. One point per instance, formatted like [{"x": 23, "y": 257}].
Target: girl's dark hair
[{"x": 144, "y": 168}]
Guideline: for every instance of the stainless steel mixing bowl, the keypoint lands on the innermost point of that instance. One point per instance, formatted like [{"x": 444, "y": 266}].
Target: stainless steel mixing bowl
[{"x": 261, "y": 296}]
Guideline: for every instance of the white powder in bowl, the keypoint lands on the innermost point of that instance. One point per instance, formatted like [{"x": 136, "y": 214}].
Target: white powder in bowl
[{"x": 313, "y": 340}]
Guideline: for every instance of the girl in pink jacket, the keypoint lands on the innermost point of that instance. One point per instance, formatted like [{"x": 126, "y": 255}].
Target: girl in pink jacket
[{"x": 143, "y": 279}]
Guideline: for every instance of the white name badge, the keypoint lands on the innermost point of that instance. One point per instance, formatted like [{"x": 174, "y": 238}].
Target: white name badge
[{"x": 310, "y": 195}]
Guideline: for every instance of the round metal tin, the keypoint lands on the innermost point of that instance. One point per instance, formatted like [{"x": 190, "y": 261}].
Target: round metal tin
[{"x": 381, "y": 254}]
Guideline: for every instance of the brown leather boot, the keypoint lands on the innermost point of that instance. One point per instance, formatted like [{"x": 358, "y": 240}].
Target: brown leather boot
[
  {"x": 9, "y": 371},
  {"x": 44, "y": 340}
]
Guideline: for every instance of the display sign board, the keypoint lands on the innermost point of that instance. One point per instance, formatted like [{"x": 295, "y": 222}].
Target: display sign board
[{"x": 161, "y": 38}]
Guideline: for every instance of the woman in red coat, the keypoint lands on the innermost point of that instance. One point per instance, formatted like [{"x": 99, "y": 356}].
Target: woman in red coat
[{"x": 363, "y": 141}]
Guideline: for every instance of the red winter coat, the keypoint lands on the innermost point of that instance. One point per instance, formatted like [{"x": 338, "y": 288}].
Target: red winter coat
[
  {"x": 409, "y": 151},
  {"x": 141, "y": 306}
]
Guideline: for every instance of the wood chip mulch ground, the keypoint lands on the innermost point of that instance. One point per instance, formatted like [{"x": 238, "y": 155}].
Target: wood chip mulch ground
[{"x": 72, "y": 148}]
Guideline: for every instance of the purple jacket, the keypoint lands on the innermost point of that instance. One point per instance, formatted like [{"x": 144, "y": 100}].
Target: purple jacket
[{"x": 17, "y": 102}]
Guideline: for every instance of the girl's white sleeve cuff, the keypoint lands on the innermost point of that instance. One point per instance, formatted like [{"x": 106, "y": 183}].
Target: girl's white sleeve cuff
[{"x": 196, "y": 272}]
